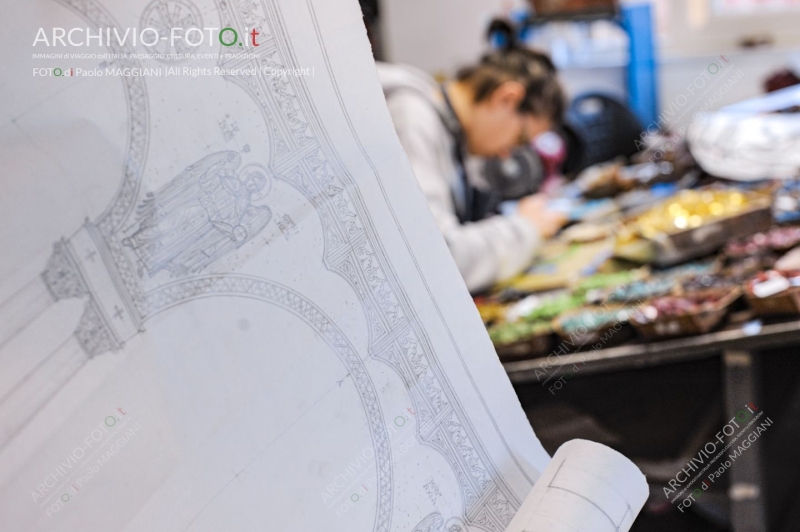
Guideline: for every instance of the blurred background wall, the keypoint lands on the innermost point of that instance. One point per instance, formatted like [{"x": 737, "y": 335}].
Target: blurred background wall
[{"x": 439, "y": 35}]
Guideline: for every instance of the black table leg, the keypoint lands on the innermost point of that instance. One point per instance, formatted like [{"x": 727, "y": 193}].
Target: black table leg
[{"x": 746, "y": 482}]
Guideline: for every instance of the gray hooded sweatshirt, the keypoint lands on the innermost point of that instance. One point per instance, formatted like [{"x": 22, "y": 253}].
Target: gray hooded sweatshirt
[{"x": 488, "y": 250}]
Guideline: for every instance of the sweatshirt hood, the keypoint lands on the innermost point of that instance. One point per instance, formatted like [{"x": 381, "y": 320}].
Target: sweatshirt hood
[
  {"x": 394, "y": 77},
  {"x": 402, "y": 78}
]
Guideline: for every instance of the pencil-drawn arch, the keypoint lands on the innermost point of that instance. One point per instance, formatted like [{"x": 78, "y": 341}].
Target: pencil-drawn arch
[{"x": 179, "y": 292}]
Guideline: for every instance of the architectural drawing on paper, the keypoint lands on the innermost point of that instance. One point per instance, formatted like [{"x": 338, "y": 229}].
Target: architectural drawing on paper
[
  {"x": 305, "y": 158},
  {"x": 161, "y": 248}
]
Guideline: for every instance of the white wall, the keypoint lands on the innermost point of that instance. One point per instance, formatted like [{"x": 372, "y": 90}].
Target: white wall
[
  {"x": 691, "y": 27},
  {"x": 751, "y": 68},
  {"x": 439, "y": 35}
]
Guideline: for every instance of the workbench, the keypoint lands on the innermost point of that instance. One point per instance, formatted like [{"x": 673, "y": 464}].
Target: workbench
[{"x": 736, "y": 345}]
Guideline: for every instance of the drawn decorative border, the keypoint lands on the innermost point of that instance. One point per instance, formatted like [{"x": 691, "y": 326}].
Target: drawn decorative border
[{"x": 305, "y": 158}]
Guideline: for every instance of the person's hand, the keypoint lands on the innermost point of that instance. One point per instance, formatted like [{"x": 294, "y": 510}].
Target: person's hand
[{"x": 534, "y": 209}]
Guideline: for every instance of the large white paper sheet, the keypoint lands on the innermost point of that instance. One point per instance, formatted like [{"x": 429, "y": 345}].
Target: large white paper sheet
[{"x": 224, "y": 304}]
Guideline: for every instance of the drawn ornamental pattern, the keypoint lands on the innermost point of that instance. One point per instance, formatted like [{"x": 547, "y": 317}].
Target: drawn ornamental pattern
[{"x": 304, "y": 157}]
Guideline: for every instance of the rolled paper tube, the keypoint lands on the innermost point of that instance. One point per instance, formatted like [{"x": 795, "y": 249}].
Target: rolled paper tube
[{"x": 586, "y": 487}]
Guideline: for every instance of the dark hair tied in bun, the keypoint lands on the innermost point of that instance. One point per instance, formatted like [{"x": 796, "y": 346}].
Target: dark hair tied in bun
[
  {"x": 502, "y": 35},
  {"x": 511, "y": 61}
]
